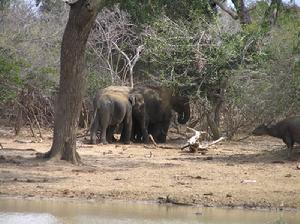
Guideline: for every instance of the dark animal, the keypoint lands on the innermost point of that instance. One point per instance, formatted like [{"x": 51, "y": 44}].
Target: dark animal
[
  {"x": 113, "y": 106},
  {"x": 288, "y": 130},
  {"x": 159, "y": 103},
  {"x": 139, "y": 117}
]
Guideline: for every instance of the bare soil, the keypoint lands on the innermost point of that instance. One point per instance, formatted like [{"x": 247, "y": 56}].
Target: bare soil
[{"x": 253, "y": 173}]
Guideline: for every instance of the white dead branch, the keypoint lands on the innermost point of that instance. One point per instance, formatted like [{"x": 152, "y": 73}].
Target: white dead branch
[
  {"x": 208, "y": 144},
  {"x": 130, "y": 62},
  {"x": 158, "y": 146},
  {"x": 153, "y": 141},
  {"x": 194, "y": 144}
]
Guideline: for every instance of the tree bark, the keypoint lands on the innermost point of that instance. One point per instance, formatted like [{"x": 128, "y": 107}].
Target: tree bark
[
  {"x": 72, "y": 80},
  {"x": 271, "y": 14},
  {"x": 243, "y": 13},
  {"x": 213, "y": 126},
  {"x": 226, "y": 9}
]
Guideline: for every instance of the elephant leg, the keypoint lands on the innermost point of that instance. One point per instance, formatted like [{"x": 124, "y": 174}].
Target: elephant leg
[
  {"x": 134, "y": 130},
  {"x": 144, "y": 130},
  {"x": 103, "y": 138},
  {"x": 159, "y": 131},
  {"x": 94, "y": 128},
  {"x": 155, "y": 131},
  {"x": 110, "y": 133},
  {"x": 162, "y": 137},
  {"x": 164, "y": 131},
  {"x": 127, "y": 127},
  {"x": 289, "y": 143},
  {"x": 104, "y": 124},
  {"x": 139, "y": 131}
]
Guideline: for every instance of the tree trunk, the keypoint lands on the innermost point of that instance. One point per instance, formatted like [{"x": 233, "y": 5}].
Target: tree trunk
[
  {"x": 243, "y": 13},
  {"x": 271, "y": 14},
  {"x": 72, "y": 81},
  {"x": 19, "y": 120},
  {"x": 213, "y": 126}
]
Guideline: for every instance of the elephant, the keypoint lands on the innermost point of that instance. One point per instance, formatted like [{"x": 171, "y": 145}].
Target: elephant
[
  {"x": 139, "y": 117},
  {"x": 113, "y": 106},
  {"x": 159, "y": 103}
]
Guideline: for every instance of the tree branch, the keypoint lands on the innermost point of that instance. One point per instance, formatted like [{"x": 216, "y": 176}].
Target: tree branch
[
  {"x": 131, "y": 62},
  {"x": 233, "y": 14},
  {"x": 70, "y": 2}
]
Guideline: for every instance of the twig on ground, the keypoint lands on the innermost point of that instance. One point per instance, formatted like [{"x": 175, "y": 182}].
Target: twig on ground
[
  {"x": 159, "y": 146},
  {"x": 152, "y": 139},
  {"x": 241, "y": 139},
  {"x": 169, "y": 200}
]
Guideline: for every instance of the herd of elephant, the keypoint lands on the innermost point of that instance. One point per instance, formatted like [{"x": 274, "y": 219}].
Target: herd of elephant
[{"x": 139, "y": 111}]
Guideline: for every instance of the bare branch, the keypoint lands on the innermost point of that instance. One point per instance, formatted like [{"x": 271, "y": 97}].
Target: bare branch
[
  {"x": 131, "y": 62},
  {"x": 153, "y": 141},
  {"x": 70, "y": 2},
  {"x": 205, "y": 146},
  {"x": 113, "y": 29},
  {"x": 233, "y": 14}
]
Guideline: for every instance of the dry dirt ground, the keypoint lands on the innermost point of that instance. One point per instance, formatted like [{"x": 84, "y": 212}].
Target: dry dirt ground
[{"x": 253, "y": 173}]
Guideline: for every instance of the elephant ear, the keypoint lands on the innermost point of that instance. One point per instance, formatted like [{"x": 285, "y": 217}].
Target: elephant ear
[{"x": 132, "y": 99}]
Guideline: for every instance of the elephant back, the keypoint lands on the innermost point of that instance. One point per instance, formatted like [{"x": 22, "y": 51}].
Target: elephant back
[
  {"x": 116, "y": 92},
  {"x": 122, "y": 90}
]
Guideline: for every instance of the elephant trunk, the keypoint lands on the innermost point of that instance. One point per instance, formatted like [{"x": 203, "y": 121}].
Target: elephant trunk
[
  {"x": 184, "y": 117},
  {"x": 182, "y": 107}
]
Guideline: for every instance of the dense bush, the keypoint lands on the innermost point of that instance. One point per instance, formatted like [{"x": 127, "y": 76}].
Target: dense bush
[
  {"x": 10, "y": 80},
  {"x": 268, "y": 89}
]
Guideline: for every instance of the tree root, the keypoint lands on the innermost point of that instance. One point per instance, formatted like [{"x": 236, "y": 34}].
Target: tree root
[{"x": 74, "y": 159}]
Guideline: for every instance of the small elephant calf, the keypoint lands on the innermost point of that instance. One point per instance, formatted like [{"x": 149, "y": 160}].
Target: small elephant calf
[{"x": 113, "y": 106}]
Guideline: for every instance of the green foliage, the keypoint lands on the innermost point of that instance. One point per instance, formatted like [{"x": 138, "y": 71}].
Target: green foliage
[
  {"x": 10, "y": 79},
  {"x": 42, "y": 79},
  {"x": 254, "y": 68},
  {"x": 169, "y": 46},
  {"x": 4, "y": 4},
  {"x": 269, "y": 87},
  {"x": 187, "y": 53},
  {"x": 29, "y": 52},
  {"x": 16, "y": 74},
  {"x": 96, "y": 81},
  {"x": 147, "y": 11}
]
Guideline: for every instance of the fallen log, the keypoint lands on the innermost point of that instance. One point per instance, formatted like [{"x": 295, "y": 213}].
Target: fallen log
[{"x": 194, "y": 144}]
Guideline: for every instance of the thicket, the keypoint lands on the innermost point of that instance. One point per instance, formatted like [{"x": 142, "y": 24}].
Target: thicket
[{"x": 235, "y": 74}]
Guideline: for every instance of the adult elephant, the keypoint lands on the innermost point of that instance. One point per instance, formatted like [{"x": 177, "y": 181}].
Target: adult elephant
[
  {"x": 159, "y": 103},
  {"x": 113, "y": 106}
]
